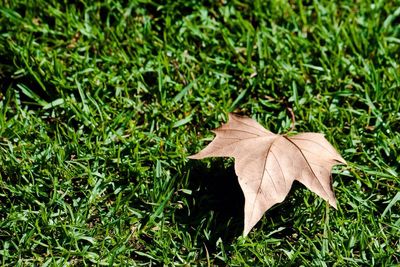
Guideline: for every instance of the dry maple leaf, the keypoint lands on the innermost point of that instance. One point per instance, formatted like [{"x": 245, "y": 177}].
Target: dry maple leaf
[{"x": 267, "y": 163}]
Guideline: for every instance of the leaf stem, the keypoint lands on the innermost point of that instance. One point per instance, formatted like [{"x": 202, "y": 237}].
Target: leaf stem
[{"x": 290, "y": 110}]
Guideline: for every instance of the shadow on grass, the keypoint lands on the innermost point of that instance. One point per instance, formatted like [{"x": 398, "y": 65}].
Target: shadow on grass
[{"x": 215, "y": 208}]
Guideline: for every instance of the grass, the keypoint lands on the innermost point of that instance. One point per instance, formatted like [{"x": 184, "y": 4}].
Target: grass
[{"x": 102, "y": 102}]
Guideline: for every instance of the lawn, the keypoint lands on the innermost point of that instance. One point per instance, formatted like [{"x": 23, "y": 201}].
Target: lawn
[{"x": 101, "y": 103}]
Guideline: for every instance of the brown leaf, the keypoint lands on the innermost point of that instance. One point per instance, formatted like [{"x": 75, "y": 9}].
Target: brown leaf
[{"x": 267, "y": 164}]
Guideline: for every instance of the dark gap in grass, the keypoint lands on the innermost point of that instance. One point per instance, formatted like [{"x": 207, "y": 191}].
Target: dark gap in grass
[
  {"x": 78, "y": 187},
  {"x": 104, "y": 13},
  {"x": 151, "y": 79},
  {"x": 7, "y": 68},
  {"x": 30, "y": 82},
  {"x": 45, "y": 17},
  {"x": 8, "y": 81}
]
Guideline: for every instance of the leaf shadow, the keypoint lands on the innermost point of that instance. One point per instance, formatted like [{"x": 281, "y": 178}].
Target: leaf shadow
[{"x": 215, "y": 208}]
